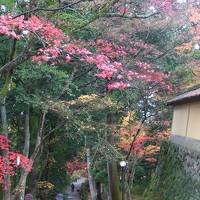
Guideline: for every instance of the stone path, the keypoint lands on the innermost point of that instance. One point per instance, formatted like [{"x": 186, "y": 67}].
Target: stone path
[{"x": 75, "y": 195}]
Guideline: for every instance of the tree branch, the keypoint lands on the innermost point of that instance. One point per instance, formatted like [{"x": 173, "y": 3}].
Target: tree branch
[
  {"x": 51, "y": 131},
  {"x": 16, "y": 61},
  {"x": 49, "y": 9},
  {"x": 135, "y": 16},
  {"x": 135, "y": 136},
  {"x": 104, "y": 8}
]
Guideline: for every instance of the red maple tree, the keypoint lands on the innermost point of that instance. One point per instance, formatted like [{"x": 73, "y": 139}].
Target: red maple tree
[{"x": 12, "y": 161}]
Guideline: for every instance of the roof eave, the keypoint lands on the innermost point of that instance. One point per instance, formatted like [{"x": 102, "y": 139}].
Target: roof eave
[{"x": 183, "y": 101}]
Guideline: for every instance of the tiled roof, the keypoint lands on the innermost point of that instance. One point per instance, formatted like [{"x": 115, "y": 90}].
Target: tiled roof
[{"x": 193, "y": 95}]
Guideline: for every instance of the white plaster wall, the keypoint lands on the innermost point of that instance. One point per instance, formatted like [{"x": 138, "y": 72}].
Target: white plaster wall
[
  {"x": 180, "y": 119},
  {"x": 193, "y": 129}
]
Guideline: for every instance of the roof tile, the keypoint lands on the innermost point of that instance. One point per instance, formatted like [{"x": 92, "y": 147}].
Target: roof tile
[{"x": 193, "y": 95}]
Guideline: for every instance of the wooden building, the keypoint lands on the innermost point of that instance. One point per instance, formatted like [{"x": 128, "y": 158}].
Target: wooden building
[{"x": 186, "y": 119}]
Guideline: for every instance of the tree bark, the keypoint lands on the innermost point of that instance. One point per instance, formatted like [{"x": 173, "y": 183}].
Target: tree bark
[
  {"x": 114, "y": 186},
  {"x": 39, "y": 138},
  {"x": 27, "y": 132},
  {"x": 113, "y": 178},
  {"x": 6, "y": 191},
  {"x": 98, "y": 185},
  {"x": 24, "y": 174},
  {"x": 90, "y": 179}
]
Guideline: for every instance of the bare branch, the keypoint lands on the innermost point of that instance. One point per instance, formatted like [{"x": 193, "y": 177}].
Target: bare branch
[
  {"x": 49, "y": 9},
  {"x": 104, "y": 9},
  {"x": 135, "y": 136},
  {"x": 135, "y": 16}
]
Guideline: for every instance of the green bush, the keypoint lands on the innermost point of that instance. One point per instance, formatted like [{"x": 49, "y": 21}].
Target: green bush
[{"x": 84, "y": 191}]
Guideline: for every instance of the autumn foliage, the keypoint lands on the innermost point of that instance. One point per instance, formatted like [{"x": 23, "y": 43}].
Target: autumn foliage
[
  {"x": 10, "y": 161},
  {"x": 144, "y": 146},
  {"x": 76, "y": 165},
  {"x": 110, "y": 55}
]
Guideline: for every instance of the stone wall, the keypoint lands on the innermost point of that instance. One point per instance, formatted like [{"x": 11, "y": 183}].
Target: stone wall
[{"x": 177, "y": 176}]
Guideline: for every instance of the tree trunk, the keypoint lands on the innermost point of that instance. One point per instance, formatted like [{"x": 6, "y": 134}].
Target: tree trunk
[
  {"x": 113, "y": 179},
  {"x": 27, "y": 132},
  {"x": 39, "y": 138},
  {"x": 36, "y": 174},
  {"x": 24, "y": 174},
  {"x": 6, "y": 191},
  {"x": 22, "y": 184},
  {"x": 90, "y": 179},
  {"x": 99, "y": 191}
]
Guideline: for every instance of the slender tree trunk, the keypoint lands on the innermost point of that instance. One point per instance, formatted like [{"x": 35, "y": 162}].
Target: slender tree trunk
[
  {"x": 114, "y": 185},
  {"x": 22, "y": 185},
  {"x": 27, "y": 132},
  {"x": 90, "y": 179},
  {"x": 6, "y": 191},
  {"x": 113, "y": 178},
  {"x": 98, "y": 185},
  {"x": 36, "y": 173},
  {"x": 24, "y": 174},
  {"x": 39, "y": 138}
]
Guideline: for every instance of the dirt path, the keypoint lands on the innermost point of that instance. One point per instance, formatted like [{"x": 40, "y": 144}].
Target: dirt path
[{"x": 75, "y": 195}]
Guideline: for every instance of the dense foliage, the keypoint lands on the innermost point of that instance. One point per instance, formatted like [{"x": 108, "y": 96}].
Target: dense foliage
[{"x": 89, "y": 75}]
